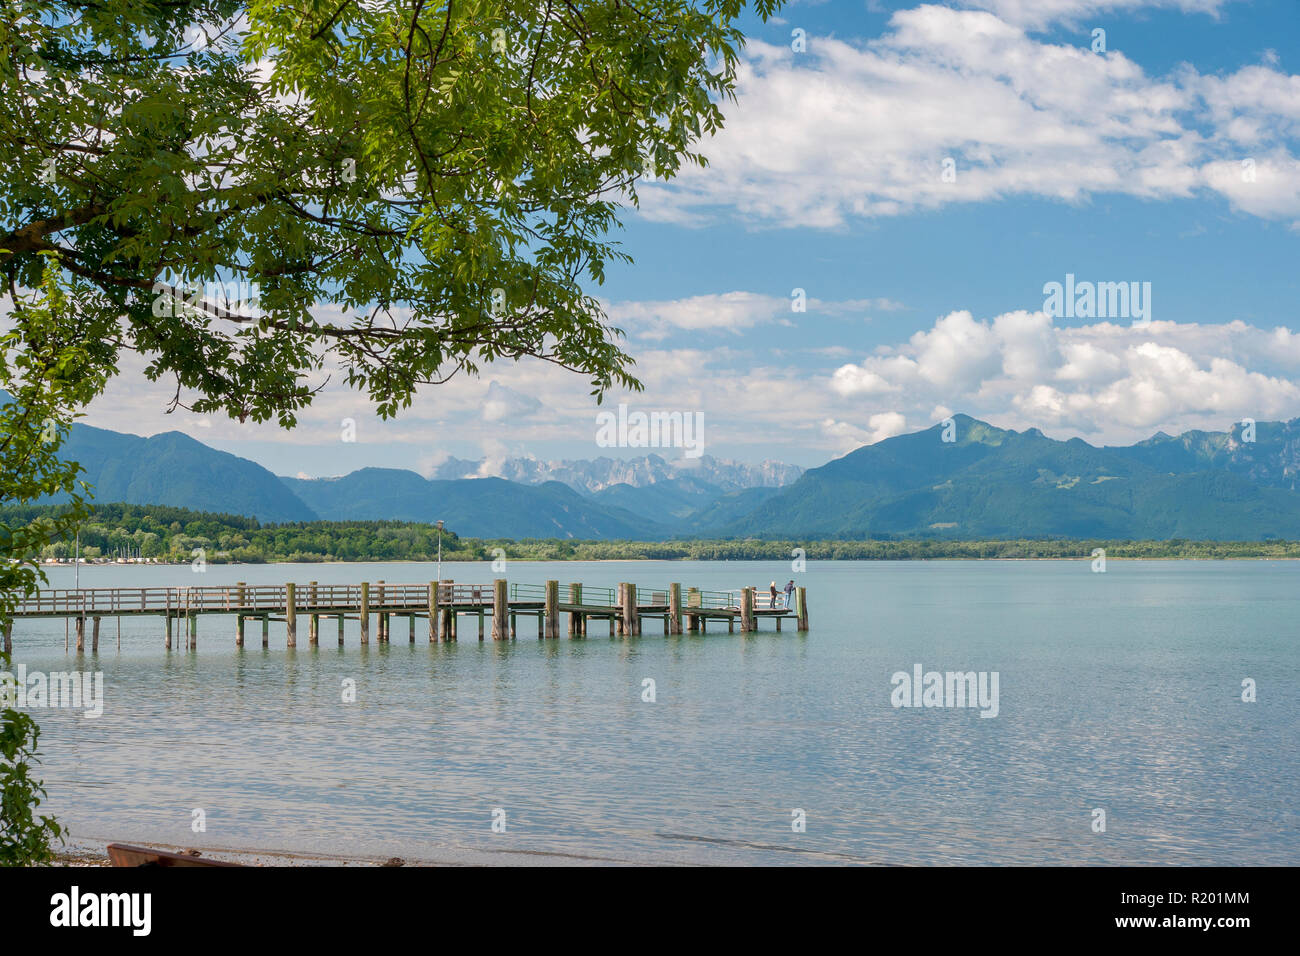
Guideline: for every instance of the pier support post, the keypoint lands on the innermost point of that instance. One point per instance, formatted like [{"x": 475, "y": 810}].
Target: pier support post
[
  {"x": 575, "y": 597},
  {"x": 802, "y": 599},
  {"x": 81, "y": 635},
  {"x": 9, "y": 637},
  {"x": 341, "y": 621},
  {"x": 194, "y": 631},
  {"x": 675, "y": 607},
  {"x": 433, "y": 611},
  {"x": 313, "y": 625},
  {"x": 501, "y": 611},
  {"x": 631, "y": 616},
  {"x": 410, "y": 620},
  {"x": 94, "y": 636},
  {"x": 552, "y": 608},
  {"x": 449, "y": 611},
  {"x": 620, "y": 602},
  {"x": 693, "y": 599},
  {"x": 266, "y": 630},
  {"x": 513, "y": 623},
  {"x": 239, "y": 595},
  {"x": 168, "y": 618},
  {"x": 365, "y": 612},
  {"x": 291, "y": 615},
  {"x": 747, "y": 610},
  {"x": 239, "y": 629}
]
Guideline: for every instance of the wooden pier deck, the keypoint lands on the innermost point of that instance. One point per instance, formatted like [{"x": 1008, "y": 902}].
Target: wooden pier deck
[{"x": 441, "y": 604}]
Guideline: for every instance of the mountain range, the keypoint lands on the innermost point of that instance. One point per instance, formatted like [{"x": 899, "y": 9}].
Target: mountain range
[
  {"x": 598, "y": 474},
  {"x": 986, "y": 482}
]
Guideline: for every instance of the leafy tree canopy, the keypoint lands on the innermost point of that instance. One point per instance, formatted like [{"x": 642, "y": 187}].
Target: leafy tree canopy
[{"x": 409, "y": 188}]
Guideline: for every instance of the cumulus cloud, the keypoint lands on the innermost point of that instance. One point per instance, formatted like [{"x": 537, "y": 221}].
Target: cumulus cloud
[
  {"x": 1102, "y": 380},
  {"x": 848, "y": 130}
]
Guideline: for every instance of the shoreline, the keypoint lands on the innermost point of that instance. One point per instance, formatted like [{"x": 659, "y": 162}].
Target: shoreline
[{"x": 757, "y": 560}]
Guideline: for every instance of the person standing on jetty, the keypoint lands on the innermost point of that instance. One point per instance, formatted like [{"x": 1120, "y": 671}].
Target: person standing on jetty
[
  {"x": 772, "y": 591},
  {"x": 789, "y": 593}
]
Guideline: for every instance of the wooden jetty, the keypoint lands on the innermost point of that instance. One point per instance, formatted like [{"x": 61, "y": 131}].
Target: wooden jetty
[{"x": 441, "y": 603}]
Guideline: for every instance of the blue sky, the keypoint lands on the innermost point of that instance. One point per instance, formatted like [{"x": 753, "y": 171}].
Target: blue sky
[{"x": 925, "y": 294}]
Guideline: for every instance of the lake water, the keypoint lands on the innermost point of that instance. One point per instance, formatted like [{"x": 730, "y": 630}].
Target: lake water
[{"x": 1118, "y": 691}]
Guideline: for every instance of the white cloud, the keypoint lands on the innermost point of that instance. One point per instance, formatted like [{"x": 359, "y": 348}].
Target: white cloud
[
  {"x": 844, "y": 131},
  {"x": 1104, "y": 380}
]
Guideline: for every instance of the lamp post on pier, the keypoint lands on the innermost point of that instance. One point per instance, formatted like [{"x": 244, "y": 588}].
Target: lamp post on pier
[{"x": 439, "y": 550}]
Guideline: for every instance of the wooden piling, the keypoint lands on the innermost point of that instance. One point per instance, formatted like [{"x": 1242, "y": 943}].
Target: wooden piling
[
  {"x": 631, "y": 616},
  {"x": 801, "y": 599},
  {"x": 575, "y": 597},
  {"x": 675, "y": 607},
  {"x": 411, "y": 621},
  {"x": 501, "y": 610},
  {"x": 81, "y": 635},
  {"x": 266, "y": 630},
  {"x": 747, "y": 610},
  {"x": 9, "y": 637},
  {"x": 693, "y": 599},
  {"x": 94, "y": 636},
  {"x": 449, "y": 611},
  {"x": 168, "y": 619},
  {"x": 313, "y": 624},
  {"x": 341, "y": 621},
  {"x": 433, "y": 611},
  {"x": 552, "y": 608},
  {"x": 365, "y": 612},
  {"x": 290, "y": 615},
  {"x": 239, "y": 630}
]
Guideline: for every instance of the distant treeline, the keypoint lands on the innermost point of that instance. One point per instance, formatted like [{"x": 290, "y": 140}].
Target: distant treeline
[{"x": 173, "y": 534}]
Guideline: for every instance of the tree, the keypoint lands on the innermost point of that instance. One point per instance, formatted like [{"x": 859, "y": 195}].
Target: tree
[
  {"x": 47, "y": 374},
  {"x": 411, "y": 188},
  {"x": 248, "y": 193}
]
